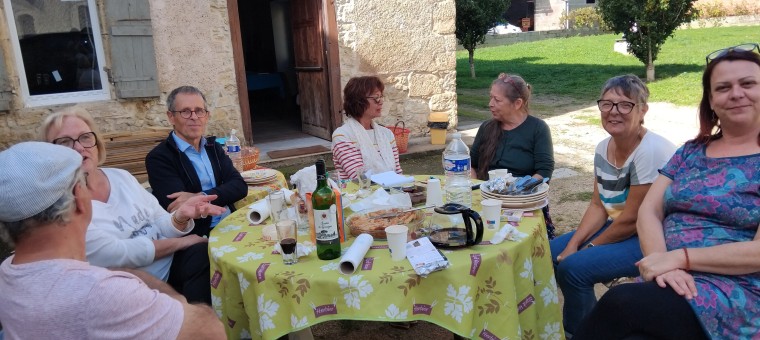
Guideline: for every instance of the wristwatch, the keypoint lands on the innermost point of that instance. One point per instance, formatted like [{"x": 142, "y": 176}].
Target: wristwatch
[{"x": 589, "y": 245}]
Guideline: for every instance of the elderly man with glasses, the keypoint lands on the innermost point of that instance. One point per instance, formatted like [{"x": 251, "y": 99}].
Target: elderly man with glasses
[{"x": 188, "y": 163}]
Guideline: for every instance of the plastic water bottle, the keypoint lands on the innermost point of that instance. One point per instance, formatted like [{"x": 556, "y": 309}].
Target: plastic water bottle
[
  {"x": 456, "y": 166},
  {"x": 233, "y": 150}
]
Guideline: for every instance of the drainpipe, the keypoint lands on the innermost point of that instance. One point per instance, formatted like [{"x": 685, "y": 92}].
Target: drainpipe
[{"x": 567, "y": 14}]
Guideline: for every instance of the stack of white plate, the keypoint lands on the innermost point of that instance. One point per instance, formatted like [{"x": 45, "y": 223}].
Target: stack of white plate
[
  {"x": 259, "y": 176},
  {"x": 529, "y": 202}
]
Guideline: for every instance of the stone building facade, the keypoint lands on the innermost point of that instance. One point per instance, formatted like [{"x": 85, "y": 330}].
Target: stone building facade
[{"x": 410, "y": 45}]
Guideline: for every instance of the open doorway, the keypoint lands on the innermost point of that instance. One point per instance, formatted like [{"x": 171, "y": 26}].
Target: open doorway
[
  {"x": 267, "y": 41},
  {"x": 288, "y": 59}
]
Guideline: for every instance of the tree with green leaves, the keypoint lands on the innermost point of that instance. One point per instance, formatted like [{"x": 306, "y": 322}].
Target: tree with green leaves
[
  {"x": 474, "y": 19},
  {"x": 646, "y": 24}
]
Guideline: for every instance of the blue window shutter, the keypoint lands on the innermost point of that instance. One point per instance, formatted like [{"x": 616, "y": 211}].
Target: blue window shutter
[
  {"x": 133, "y": 57},
  {"x": 5, "y": 85}
]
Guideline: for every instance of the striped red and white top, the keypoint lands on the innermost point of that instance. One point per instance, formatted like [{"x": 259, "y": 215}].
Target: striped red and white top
[{"x": 347, "y": 153}]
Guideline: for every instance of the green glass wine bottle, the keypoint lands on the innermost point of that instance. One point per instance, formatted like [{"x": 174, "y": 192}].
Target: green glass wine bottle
[{"x": 325, "y": 217}]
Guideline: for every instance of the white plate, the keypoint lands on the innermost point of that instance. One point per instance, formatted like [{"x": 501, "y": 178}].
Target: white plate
[
  {"x": 542, "y": 189},
  {"x": 258, "y": 174},
  {"x": 526, "y": 207},
  {"x": 514, "y": 199}
]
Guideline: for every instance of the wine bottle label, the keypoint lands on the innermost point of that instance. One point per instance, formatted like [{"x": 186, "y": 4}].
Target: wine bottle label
[{"x": 326, "y": 224}]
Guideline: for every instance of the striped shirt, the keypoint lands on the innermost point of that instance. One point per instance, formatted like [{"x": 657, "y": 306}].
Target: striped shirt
[
  {"x": 639, "y": 169},
  {"x": 347, "y": 153}
]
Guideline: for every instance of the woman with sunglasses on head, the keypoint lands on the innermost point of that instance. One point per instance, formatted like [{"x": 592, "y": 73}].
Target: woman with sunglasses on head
[
  {"x": 605, "y": 245},
  {"x": 698, "y": 225},
  {"x": 129, "y": 229},
  {"x": 360, "y": 143}
]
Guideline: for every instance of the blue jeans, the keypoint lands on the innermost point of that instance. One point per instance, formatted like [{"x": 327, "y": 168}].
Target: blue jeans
[{"x": 577, "y": 274}]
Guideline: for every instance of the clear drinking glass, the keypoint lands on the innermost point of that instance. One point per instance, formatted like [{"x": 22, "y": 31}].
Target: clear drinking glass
[
  {"x": 287, "y": 235},
  {"x": 363, "y": 177},
  {"x": 277, "y": 207}
]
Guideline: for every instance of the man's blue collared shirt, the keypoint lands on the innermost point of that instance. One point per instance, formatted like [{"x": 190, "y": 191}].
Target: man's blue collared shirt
[{"x": 202, "y": 165}]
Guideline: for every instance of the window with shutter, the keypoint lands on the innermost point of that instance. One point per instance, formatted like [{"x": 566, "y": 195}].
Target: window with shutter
[
  {"x": 58, "y": 51},
  {"x": 5, "y": 86},
  {"x": 133, "y": 56}
]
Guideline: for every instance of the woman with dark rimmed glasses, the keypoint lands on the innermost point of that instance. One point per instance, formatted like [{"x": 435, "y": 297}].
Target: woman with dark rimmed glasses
[
  {"x": 605, "y": 245},
  {"x": 698, "y": 224}
]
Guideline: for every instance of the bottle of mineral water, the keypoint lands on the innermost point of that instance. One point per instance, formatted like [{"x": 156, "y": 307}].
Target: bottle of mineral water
[
  {"x": 233, "y": 150},
  {"x": 456, "y": 167}
]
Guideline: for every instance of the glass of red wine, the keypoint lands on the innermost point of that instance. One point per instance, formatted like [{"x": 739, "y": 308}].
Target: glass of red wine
[{"x": 287, "y": 232}]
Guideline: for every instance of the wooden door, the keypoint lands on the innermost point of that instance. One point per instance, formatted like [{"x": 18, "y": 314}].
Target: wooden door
[{"x": 311, "y": 67}]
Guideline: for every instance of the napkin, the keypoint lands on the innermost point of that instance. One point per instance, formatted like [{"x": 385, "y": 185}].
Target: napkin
[
  {"x": 390, "y": 178},
  {"x": 305, "y": 180},
  {"x": 258, "y": 211},
  {"x": 302, "y": 249},
  {"x": 380, "y": 199},
  {"x": 508, "y": 232}
]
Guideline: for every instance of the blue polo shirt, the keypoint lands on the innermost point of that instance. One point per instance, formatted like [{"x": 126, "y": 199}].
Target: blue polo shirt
[{"x": 202, "y": 165}]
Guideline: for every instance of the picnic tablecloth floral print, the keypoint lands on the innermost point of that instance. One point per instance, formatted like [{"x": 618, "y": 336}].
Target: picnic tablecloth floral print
[{"x": 504, "y": 291}]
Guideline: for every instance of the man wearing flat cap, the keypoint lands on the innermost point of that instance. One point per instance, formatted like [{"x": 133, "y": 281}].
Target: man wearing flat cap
[{"x": 47, "y": 289}]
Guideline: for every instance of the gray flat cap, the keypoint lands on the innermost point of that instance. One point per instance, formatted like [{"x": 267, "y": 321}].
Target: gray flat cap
[{"x": 33, "y": 176}]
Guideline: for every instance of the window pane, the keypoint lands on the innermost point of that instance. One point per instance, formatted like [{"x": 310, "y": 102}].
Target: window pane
[{"x": 56, "y": 42}]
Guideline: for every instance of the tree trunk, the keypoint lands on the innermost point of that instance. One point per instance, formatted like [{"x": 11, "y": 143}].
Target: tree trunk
[
  {"x": 472, "y": 62},
  {"x": 650, "y": 64}
]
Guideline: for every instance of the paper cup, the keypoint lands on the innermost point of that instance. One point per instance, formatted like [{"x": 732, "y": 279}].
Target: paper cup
[
  {"x": 498, "y": 173},
  {"x": 434, "y": 194},
  {"x": 396, "y": 236},
  {"x": 491, "y": 213}
]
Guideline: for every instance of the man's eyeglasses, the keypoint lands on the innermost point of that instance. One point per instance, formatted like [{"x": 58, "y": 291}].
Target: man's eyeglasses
[
  {"x": 187, "y": 113},
  {"x": 86, "y": 140},
  {"x": 740, "y": 48},
  {"x": 622, "y": 107},
  {"x": 377, "y": 99}
]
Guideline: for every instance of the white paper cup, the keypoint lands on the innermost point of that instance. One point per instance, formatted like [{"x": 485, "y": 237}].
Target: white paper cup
[
  {"x": 491, "y": 213},
  {"x": 498, "y": 173},
  {"x": 396, "y": 235},
  {"x": 434, "y": 195}
]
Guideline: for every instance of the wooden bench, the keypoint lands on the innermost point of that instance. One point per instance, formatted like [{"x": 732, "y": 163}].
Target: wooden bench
[{"x": 127, "y": 150}]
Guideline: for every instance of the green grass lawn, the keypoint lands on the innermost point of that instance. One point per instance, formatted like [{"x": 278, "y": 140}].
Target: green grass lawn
[{"x": 577, "y": 67}]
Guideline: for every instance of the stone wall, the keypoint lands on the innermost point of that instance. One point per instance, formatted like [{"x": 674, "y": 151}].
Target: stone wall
[
  {"x": 192, "y": 44},
  {"x": 411, "y": 46},
  {"x": 511, "y": 38}
]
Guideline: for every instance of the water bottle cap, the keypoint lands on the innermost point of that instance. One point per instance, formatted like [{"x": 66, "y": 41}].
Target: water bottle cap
[{"x": 233, "y": 132}]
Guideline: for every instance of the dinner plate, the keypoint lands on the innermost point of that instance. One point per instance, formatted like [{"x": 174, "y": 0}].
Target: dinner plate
[
  {"x": 258, "y": 174},
  {"x": 543, "y": 188},
  {"x": 514, "y": 199},
  {"x": 526, "y": 207}
]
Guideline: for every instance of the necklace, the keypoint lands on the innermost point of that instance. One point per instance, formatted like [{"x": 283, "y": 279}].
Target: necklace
[{"x": 615, "y": 149}]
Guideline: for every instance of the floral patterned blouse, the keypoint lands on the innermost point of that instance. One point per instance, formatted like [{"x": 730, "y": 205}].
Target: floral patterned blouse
[{"x": 715, "y": 201}]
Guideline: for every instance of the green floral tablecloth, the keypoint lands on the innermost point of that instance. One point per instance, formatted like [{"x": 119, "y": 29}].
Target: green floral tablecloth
[{"x": 504, "y": 291}]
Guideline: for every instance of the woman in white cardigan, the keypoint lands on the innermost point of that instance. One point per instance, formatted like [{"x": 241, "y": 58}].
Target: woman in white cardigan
[{"x": 361, "y": 142}]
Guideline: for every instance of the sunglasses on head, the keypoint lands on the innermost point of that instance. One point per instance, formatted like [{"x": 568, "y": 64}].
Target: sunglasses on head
[{"x": 749, "y": 47}]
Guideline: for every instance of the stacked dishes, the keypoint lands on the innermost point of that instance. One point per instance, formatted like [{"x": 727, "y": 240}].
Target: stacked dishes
[
  {"x": 529, "y": 202},
  {"x": 259, "y": 176}
]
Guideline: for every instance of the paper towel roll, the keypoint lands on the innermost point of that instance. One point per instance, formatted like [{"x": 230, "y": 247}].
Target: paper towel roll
[
  {"x": 258, "y": 212},
  {"x": 355, "y": 254}
]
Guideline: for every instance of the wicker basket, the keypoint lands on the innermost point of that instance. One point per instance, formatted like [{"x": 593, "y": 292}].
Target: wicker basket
[
  {"x": 250, "y": 157},
  {"x": 402, "y": 136}
]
